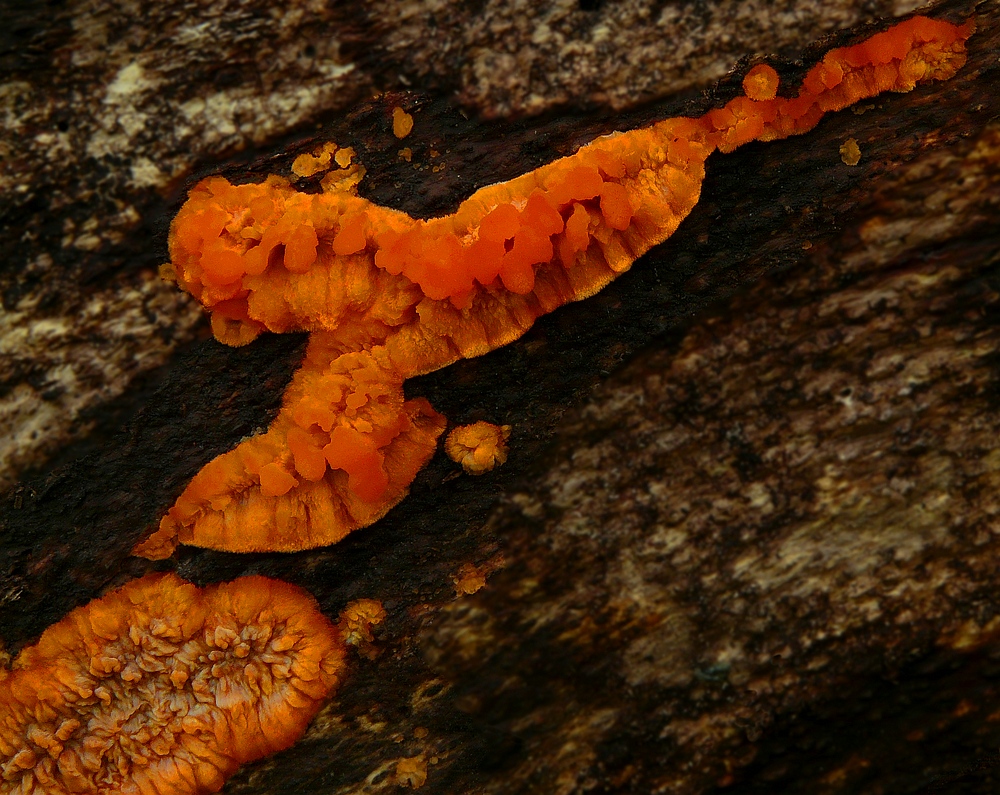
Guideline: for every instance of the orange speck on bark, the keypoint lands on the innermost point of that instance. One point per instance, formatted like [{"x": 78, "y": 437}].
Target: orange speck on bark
[
  {"x": 344, "y": 157},
  {"x": 761, "y": 83},
  {"x": 161, "y": 686},
  {"x": 478, "y": 447},
  {"x": 850, "y": 152},
  {"x": 387, "y": 297},
  {"x": 469, "y": 579},
  {"x": 307, "y": 165},
  {"x": 412, "y": 771},
  {"x": 402, "y": 123}
]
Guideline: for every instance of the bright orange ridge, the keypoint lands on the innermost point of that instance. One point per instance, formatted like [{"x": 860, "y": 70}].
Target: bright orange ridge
[{"x": 388, "y": 297}]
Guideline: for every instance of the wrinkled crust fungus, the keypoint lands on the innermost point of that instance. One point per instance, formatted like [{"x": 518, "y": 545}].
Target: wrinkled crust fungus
[
  {"x": 163, "y": 688},
  {"x": 478, "y": 447},
  {"x": 388, "y": 296}
]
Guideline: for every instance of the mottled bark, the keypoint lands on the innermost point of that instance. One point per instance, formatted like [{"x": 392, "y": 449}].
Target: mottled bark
[{"x": 758, "y": 556}]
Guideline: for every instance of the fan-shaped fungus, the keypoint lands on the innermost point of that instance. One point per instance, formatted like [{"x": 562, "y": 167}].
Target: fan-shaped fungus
[
  {"x": 163, "y": 687},
  {"x": 388, "y": 297}
]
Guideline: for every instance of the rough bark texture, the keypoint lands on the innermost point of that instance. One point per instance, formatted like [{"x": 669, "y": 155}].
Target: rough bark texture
[{"x": 758, "y": 557}]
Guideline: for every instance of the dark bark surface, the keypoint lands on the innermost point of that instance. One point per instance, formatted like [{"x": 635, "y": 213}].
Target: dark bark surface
[{"x": 747, "y": 534}]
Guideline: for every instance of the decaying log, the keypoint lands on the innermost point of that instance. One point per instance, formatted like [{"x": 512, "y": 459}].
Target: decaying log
[{"x": 746, "y": 535}]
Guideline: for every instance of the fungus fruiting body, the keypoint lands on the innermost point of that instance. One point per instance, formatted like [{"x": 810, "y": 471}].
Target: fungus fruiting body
[
  {"x": 850, "y": 152},
  {"x": 479, "y": 447},
  {"x": 388, "y": 297},
  {"x": 402, "y": 123},
  {"x": 358, "y": 618},
  {"x": 163, "y": 688},
  {"x": 411, "y": 771}
]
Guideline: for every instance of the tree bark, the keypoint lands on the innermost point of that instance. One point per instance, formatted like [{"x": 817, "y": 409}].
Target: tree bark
[{"x": 745, "y": 536}]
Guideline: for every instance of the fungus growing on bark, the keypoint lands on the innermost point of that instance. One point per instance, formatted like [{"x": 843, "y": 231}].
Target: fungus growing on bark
[
  {"x": 306, "y": 165},
  {"x": 357, "y": 620},
  {"x": 402, "y": 123},
  {"x": 478, "y": 447},
  {"x": 761, "y": 83},
  {"x": 388, "y": 297},
  {"x": 469, "y": 579},
  {"x": 412, "y": 771},
  {"x": 850, "y": 152},
  {"x": 163, "y": 687}
]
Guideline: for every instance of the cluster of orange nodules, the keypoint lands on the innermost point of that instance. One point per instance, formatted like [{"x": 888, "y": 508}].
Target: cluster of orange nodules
[
  {"x": 163, "y": 688},
  {"x": 479, "y": 447},
  {"x": 918, "y": 49},
  {"x": 410, "y": 296},
  {"x": 508, "y": 242}
]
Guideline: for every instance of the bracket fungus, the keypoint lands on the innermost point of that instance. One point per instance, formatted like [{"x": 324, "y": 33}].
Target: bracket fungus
[
  {"x": 388, "y": 297},
  {"x": 162, "y": 688}
]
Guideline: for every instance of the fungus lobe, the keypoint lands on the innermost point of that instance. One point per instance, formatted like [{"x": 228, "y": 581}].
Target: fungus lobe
[
  {"x": 388, "y": 297},
  {"x": 163, "y": 688}
]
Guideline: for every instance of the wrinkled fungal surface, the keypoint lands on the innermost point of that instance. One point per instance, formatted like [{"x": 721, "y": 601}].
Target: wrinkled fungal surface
[
  {"x": 479, "y": 447},
  {"x": 163, "y": 687},
  {"x": 388, "y": 297}
]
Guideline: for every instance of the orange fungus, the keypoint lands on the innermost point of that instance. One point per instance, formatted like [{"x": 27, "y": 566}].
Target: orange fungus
[
  {"x": 358, "y": 619},
  {"x": 761, "y": 83},
  {"x": 163, "y": 687},
  {"x": 387, "y": 296},
  {"x": 478, "y": 447},
  {"x": 402, "y": 123},
  {"x": 850, "y": 152}
]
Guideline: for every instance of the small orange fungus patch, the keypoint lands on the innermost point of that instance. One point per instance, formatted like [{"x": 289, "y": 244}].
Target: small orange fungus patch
[
  {"x": 469, "y": 579},
  {"x": 387, "y": 296},
  {"x": 306, "y": 165},
  {"x": 761, "y": 83},
  {"x": 402, "y": 123},
  {"x": 358, "y": 618},
  {"x": 478, "y": 447},
  {"x": 850, "y": 152},
  {"x": 412, "y": 771},
  {"x": 344, "y": 157},
  {"x": 163, "y": 687}
]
